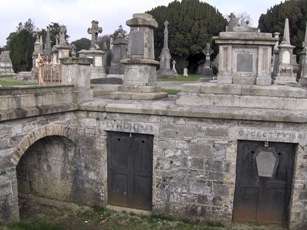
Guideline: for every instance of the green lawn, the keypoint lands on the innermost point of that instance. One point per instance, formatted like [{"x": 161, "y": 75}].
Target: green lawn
[
  {"x": 191, "y": 77},
  {"x": 104, "y": 219},
  {"x": 171, "y": 91},
  {"x": 9, "y": 81}
]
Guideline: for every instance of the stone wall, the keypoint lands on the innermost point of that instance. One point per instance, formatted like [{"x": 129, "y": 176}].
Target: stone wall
[{"x": 194, "y": 157}]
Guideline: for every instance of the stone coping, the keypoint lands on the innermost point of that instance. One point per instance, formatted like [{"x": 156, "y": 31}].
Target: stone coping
[
  {"x": 246, "y": 36},
  {"x": 13, "y": 90},
  {"x": 91, "y": 51},
  {"x": 139, "y": 61},
  {"x": 168, "y": 107},
  {"x": 142, "y": 20},
  {"x": 246, "y": 90},
  {"x": 76, "y": 61}
]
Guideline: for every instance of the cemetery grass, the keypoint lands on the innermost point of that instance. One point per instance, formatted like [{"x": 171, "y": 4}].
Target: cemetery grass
[
  {"x": 191, "y": 77},
  {"x": 104, "y": 219},
  {"x": 9, "y": 81}
]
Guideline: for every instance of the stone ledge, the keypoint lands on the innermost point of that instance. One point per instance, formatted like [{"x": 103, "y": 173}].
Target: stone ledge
[
  {"x": 246, "y": 90},
  {"x": 168, "y": 108},
  {"x": 36, "y": 111}
]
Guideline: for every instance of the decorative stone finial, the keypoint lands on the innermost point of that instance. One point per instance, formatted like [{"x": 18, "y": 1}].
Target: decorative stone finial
[{"x": 286, "y": 38}]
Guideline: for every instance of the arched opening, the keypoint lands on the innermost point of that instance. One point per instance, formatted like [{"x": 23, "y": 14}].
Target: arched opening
[{"x": 45, "y": 174}]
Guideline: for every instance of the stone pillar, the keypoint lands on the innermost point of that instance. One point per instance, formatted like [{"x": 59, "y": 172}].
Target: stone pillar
[
  {"x": 140, "y": 67},
  {"x": 77, "y": 71},
  {"x": 165, "y": 56},
  {"x": 225, "y": 65},
  {"x": 275, "y": 60},
  {"x": 264, "y": 75},
  {"x": 285, "y": 69},
  {"x": 303, "y": 79}
]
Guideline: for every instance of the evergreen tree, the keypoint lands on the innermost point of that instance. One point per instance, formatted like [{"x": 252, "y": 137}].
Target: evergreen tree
[
  {"x": 21, "y": 45},
  {"x": 191, "y": 25},
  {"x": 274, "y": 19},
  {"x": 82, "y": 43}
]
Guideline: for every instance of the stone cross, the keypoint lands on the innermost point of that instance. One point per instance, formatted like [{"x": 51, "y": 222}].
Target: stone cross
[
  {"x": 62, "y": 35},
  {"x": 94, "y": 31},
  {"x": 166, "y": 23}
]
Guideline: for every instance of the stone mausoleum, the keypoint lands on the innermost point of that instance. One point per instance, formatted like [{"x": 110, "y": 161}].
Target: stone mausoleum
[{"x": 231, "y": 151}]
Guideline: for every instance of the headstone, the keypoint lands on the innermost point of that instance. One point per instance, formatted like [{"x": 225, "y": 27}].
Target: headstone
[
  {"x": 94, "y": 53},
  {"x": 185, "y": 72},
  {"x": 174, "y": 70},
  {"x": 245, "y": 55},
  {"x": 6, "y": 66},
  {"x": 165, "y": 56},
  {"x": 285, "y": 73},
  {"x": 205, "y": 69},
  {"x": 62, "y": 47},
  {"x": 118, "y": 51},
  {"x": 140, "y": 67}
]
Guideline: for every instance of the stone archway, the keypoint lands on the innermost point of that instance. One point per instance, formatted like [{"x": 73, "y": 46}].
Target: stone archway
[{"x": 45, "y": 162}]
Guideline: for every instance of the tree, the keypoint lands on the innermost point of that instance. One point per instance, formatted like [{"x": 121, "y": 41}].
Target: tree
[
  {"x": 82, "y": 43},
  {"x": 21, "y": 45},
  {"x": 191, "y": 25},
  {"x": 274, "y": 19}
]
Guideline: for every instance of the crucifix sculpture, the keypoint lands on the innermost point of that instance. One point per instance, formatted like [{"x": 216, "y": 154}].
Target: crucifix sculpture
[{"x": 94, "y": 31}]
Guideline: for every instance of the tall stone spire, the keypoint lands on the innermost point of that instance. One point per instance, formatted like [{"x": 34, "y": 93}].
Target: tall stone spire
[
  {"x": 48, "y": 48},
  {"x": 286, "y": 38},
  {"x": 166, "y": 34},
  {"x": 305, "y": 41}
]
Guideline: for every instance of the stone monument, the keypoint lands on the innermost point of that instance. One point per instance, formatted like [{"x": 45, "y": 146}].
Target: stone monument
[
  {"x": 140, "y": 66},
  {"x": 185, "y": 72},
  {"x": 275, "y": 59},
  {"x": 94, "y": 53},
  {"x": 118, "y": 51},
  {"x": 174, "y": 70},
  {"x": 48, "y": 48},
  {"x": 303, "y": 79},
  {"x": 6, "y": 66},
  {"x": 244, "y": 55},
  {"x": 205, "y": 69},
  {"x": 165, "y": 57},
  {"x": 285, "y": 73},
  {"x": 62, "y": 48}
]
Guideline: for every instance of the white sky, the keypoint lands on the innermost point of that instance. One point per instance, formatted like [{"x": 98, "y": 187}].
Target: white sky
[{"x": 77, "y": 14}]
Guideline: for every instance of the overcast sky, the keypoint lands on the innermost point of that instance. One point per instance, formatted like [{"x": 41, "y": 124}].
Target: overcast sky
[{"x": 77, "y": 14}]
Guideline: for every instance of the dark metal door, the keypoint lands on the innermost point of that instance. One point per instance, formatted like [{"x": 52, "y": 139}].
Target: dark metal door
[
  {"x": 130, "y": 170},
  {"x": 263, "y": 199}
]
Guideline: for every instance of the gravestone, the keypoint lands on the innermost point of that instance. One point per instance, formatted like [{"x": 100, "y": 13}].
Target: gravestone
[
  {"x": 205, "y": 69},
  {"x": 6, "y": 66},
  {"x": 285, "y": 73},
  {"x": 244, "y": 55},
  {"x": 185, "y": 72},
  {"x": 118, "y": 51},
  {"x": 62, "y": 47},
  {"x": 94, "y": 53},
  {"x": 174, "y": 70},
  {"x": 140, "y": 66},
  {"x": 165, "y": 56}
]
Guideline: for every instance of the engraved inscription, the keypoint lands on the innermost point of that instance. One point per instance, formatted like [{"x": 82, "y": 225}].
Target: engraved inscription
[{"x": 244, "y": 62}]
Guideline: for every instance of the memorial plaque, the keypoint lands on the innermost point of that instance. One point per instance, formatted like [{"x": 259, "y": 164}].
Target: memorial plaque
[
  {"x": 137, "y": 46},
  {"x": 244, "y": 62},
  {"x": 266, "y": 163}
]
